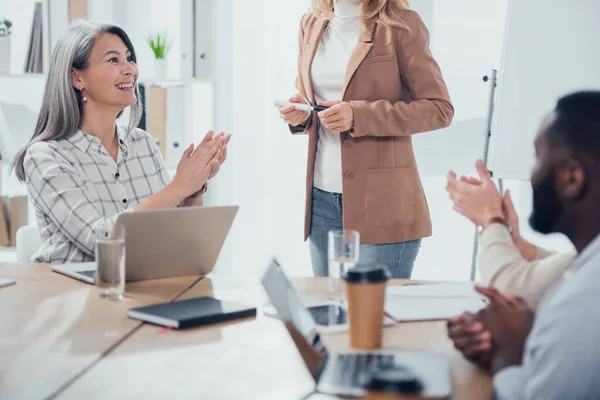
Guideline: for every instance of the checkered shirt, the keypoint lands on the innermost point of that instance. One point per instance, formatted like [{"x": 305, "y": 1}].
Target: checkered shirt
[{"x": 74, "y": 185}]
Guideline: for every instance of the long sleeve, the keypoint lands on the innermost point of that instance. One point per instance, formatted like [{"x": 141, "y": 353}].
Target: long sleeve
[
  {"x": 502, "y": 266},
  {"x": 58, "y": 191},
  {"x": 304, "y": 127},
  {"x": 561, "y": 359},
  {"x": 509, "y": 383},
  {"x": 542, "y": 253},
  {"x": 429, "y": 107},
  {"x": 159, "y": 162}
]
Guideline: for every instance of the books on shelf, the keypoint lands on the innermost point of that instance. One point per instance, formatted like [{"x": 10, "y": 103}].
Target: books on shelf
[
  {"x": 35, "y": 58},
  {"x": 77, "y": 10}
]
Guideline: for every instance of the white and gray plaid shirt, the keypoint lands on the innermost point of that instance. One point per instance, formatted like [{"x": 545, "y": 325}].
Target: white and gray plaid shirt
[{"x": 75, "y": 185}]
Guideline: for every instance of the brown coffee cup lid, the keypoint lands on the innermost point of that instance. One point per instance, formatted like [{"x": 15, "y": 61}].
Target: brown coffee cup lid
[
  {"x": 394, "y": 380},
  {"x": 367, "y": 274}
]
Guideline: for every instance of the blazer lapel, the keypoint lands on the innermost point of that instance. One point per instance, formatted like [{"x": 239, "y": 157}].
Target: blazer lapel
[
  {"x": 364, "y": 45},
  {"x": 309, "y": 54}
]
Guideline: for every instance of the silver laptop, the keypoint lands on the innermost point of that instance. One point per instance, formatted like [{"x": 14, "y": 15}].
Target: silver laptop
[
  {"x": 166, "y": 243},
  {"x": 346, "y": 372}
]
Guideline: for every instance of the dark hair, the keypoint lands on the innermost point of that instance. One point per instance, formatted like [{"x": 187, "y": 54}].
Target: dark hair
[
  {"x": 577, "y": 122},
  {"x": 62, "y": 106}
]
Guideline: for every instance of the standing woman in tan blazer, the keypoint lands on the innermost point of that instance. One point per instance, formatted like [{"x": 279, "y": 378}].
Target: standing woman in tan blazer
[{"x": 369, "y": 62}]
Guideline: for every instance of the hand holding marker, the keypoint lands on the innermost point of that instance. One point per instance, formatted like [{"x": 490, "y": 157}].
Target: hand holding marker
[
  {"x": 295, "y": 111},
  {"x": 300, "y": 107}
]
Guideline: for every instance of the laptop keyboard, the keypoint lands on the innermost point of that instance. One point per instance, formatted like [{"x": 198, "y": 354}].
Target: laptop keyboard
[
  {"x": 91, "y": 274},
  {"x": 354, "y": 370}
]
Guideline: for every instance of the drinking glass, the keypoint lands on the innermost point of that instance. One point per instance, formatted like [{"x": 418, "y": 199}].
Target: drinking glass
[
  {"x": 342, "y": 254},
  {"x": 110, "y": 260}
]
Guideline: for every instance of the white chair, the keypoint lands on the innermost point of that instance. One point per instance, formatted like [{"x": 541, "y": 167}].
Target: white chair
[{"x": 28, "y": 242}]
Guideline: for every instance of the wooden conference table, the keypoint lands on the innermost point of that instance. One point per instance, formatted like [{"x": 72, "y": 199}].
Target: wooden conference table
[{"x": 58, "y": 340}]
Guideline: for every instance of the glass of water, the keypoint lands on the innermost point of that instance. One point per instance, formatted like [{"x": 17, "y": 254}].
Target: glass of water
[
  {"x": 110, "y": 260},
  {"x": 342, "y": 254}
]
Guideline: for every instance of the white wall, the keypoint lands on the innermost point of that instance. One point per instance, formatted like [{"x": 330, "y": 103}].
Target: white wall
[
  {"x": 256, "y": 53},
  {"x": 466, "y": 40},
  {"x": 221, "y": 56},
  {"x": 139, "y": 18},
  {"x": 270, "y": 163}
]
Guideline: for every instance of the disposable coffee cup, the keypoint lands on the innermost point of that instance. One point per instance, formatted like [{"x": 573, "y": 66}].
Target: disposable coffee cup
[
  {"x": 394, "y": 383},
  {"x": 365, "y": 289}
]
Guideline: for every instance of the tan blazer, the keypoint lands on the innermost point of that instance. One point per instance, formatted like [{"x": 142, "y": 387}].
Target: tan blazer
[
  {"x": 396, "y": 89},
  {"x": 502, "y": 266}
]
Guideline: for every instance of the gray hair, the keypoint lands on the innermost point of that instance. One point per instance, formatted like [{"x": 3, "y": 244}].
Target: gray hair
[{"x": 62, "y": 106}]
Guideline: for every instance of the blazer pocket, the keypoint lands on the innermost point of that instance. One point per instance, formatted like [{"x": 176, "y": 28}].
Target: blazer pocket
[
  {"x": 378, "y": 59},
  {"x": 390, "y": 197}
]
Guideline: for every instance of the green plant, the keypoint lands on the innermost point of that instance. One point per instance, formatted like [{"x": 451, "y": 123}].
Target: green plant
[
  {"x": 5, "y": 27},
  {"x": 158, "y": 44}
]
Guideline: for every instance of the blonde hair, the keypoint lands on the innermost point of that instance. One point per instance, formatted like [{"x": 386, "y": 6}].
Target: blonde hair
[{"x": 382, "y": 12}]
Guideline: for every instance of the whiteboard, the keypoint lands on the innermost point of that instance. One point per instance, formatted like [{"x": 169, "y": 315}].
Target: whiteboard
[{"x": 550, "y": 49}]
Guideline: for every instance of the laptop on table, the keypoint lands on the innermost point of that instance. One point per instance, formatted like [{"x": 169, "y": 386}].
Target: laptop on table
[
  {"x": 346, "y": 372},
  {"x": 166, "y": 243}
]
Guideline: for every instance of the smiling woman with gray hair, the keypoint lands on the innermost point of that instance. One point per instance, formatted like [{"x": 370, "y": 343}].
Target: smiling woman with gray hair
[{"x": 80, "y": 167}]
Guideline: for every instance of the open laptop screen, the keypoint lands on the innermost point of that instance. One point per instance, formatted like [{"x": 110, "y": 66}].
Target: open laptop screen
[{"x": 296, "y": 317}]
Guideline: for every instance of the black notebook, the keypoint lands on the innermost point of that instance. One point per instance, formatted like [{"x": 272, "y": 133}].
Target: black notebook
[{"x": 192, "y": 312}]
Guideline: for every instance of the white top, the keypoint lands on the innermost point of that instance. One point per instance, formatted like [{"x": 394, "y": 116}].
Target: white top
[
  {"x": 75, "y": 185},
  {"x": 328, "y": 71}
]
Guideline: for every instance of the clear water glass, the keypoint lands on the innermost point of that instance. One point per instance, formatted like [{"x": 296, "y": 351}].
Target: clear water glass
[
  {"x": 110, "y": 260},
  {"x": 342, "y": 254}
]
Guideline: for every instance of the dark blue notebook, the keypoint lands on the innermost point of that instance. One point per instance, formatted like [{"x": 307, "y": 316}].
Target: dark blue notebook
[{"x": 192, "y": 312}]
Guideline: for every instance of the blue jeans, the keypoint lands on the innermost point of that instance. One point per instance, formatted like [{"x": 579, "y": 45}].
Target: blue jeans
[{"x": 399, "y": 258}]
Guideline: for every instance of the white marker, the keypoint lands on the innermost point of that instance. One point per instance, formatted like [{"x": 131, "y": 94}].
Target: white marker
[{"x": 299, "y": 106}]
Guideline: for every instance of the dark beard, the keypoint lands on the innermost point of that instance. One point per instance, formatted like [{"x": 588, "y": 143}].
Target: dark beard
[{"x": 546, "y": 206}]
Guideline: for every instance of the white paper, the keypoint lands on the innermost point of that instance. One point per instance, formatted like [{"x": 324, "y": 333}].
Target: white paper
[
  {"x": 421, "y": 308},
  {"x": 459, "y": 289},
  {"x": 7, "y": 282}
]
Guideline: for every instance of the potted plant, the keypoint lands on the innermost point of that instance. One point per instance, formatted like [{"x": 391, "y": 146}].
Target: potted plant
[
  {"x": 160, "y": 48},
  {"x": 5, "y": 31}
]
